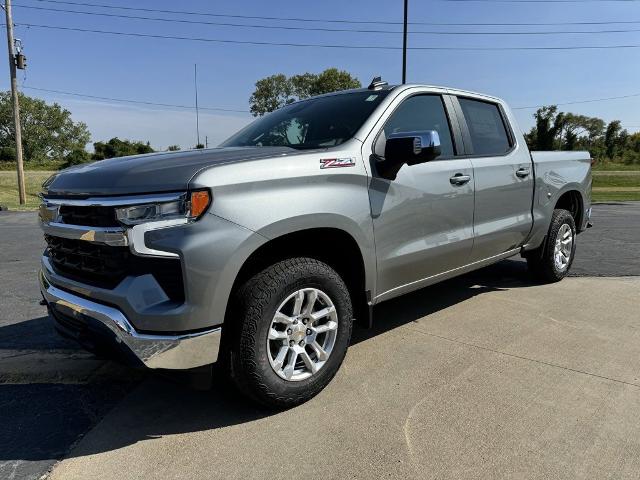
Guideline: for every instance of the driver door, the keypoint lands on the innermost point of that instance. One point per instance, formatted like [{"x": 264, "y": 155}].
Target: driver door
[{"x": 423, "y": 220}]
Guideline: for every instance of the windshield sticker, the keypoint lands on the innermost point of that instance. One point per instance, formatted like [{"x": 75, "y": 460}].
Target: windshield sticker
[
  {"x": 337, "y": 162},
  {"x": 371, "y": 98}
]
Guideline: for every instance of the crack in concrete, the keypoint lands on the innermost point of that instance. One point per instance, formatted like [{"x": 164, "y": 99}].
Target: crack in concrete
[{"x": 520, "y": 357}]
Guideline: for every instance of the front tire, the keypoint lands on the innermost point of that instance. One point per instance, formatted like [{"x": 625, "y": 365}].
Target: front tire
[
  {"x": 552, "y": 260},
  {"x": 295, "y": 321}
]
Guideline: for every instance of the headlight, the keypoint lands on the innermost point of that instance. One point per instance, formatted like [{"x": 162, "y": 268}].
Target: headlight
[{"x": 189, "y": 207}]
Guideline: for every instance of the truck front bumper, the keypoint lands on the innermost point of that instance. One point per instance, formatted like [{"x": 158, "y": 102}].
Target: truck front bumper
[{"x": 102, "y": 328}]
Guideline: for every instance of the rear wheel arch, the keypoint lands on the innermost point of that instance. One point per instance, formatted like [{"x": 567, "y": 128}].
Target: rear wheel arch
[{"x": 572, "y": 202}]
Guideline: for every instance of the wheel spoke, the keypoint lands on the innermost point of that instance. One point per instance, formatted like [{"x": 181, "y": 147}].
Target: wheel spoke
[
  {"x": 279, "y": 360},
  {"x": 282, "y": 318},
  {"x": 297, "y": 306},
  {"x": 311, "y": 365},
  {"x": 277, "y": 335},
  {"x": 312, "y": 296},
  {"x": 331, "y": 325},
  {"x": 315, "y": 316},
  {"x": 291, "y": 364},
  {"x": 322, "y": 355}
]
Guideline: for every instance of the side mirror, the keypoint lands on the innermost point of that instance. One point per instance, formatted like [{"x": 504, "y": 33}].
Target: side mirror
[{"x": 411, "y": 148}]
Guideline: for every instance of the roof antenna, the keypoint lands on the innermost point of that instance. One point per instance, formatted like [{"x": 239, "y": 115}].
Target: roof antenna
[{"x": 377, "y": 83}]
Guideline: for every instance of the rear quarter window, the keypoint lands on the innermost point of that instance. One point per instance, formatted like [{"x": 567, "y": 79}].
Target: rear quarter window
[{"x": 486, "y": 127}]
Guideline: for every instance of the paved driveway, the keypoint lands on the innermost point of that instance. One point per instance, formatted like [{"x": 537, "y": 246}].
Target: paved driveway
[{"x": 440, "y": 385}]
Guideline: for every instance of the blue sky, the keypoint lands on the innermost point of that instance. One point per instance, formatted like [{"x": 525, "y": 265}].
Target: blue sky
[{"x": 158, "y": 70}]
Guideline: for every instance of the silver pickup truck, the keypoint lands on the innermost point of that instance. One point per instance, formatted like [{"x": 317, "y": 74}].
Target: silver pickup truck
[{"x": 261, "y": 253}]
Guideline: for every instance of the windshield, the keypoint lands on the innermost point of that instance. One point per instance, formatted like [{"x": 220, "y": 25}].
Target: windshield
[{"x": 315, "y": 123}]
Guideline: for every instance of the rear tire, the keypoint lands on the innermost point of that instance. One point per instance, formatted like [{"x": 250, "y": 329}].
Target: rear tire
[
  {"x": 294, "y": 327},
  {"x": 552, "y": 260}
]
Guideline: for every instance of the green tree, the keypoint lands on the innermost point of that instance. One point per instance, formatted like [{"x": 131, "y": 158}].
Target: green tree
[
  {"x": 279, "y": 90},
  {"x": 173, "y": 148},
  {"x": 569, "y": 131},
  {"x": 611, "y": 137},
  {"x": 77, "y": 157},
  {"x": 579, "y": 131},
  {"x": 548, "y": 125},
  {"x": 48, "y": 131},
  {"x": 119, "y": 148}
]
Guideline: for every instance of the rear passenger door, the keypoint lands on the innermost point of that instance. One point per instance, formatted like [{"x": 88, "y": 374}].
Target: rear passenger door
[{"x": 503, "y": 177}]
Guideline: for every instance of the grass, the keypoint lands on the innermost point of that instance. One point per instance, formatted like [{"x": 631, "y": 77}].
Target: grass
[
  {"x": 49, "y": 165},
  {"x": 618, "y": 185},
  {"x": 9, "y": 189},
  {"x": 608, "y": 166},
  {"x": 610, "y": 179},
  {"x": 608, "y": 185},
  {"x": 615, "y": 196}
]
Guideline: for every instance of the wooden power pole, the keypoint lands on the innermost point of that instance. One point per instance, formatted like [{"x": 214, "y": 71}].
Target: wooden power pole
[
  {"x": 404, "y": 43},
  {"x": 195, "y": 84},
  {"x": 16, "y": 105}
]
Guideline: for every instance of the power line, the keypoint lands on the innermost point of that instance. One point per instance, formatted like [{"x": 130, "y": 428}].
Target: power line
[
  {"x": 593, "y": 100},
  {"x": 320, "y": 29},
  {"x": 539, "y": 1},
  {"x": 140, "y": 102},
  {"x": 200, "y": 22},
  {"x": 173, "y": 105},
  {"x": 317, "y": 20},
  {"x": 321, "y": 45}
]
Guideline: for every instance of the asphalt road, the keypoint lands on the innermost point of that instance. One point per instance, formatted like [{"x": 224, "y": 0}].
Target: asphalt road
[{"x": 51, "y": 394}]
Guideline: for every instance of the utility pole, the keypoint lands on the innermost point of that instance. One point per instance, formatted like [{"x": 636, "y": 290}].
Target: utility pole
[
  {"x": 195, "y": 82},
  {"x": 404, "y": 44},
  {"x": 16, "y": 105}
]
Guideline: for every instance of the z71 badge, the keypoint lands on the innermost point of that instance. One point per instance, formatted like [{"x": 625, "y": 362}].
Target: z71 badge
[{"x": 337, "y": 162}]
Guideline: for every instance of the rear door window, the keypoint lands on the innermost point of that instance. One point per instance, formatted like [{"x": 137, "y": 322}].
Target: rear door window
[{"x": 487, "y": 129}]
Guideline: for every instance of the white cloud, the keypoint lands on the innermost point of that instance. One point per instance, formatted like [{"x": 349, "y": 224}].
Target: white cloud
[{"x": 161, "y": 127}]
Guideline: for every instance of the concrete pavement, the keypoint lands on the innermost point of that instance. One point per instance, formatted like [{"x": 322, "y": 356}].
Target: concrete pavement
[{"x": 497, "y": 379}]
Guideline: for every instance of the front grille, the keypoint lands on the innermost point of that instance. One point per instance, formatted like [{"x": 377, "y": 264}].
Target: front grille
[
  {"x": 104, "y": 266},
  {"x": 90, "y": 216}
]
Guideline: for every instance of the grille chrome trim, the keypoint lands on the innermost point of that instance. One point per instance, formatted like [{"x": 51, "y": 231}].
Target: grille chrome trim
[
  {"x": 115, "y": 201},
  {"x": 50, "y": 222},
  {"x": 112, "y": 236}
]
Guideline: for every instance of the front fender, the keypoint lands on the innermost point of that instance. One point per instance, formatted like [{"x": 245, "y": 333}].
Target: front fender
[
  {"x": 212, "y": 251},
  {"x": 334, "y": 221}
]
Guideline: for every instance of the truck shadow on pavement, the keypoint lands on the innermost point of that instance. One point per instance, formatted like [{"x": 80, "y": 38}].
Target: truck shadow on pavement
[
  {"x": 507, "y": 274},
  {"x": 163, "y": 406}
]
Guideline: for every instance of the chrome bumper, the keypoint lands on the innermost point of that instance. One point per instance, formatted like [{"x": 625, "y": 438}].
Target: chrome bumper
[{"x": 154, "y": 351}]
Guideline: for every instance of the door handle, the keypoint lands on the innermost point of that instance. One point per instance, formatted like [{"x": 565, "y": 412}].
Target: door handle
[
  {"x": 523, "y": 172},
  {"x": 459, "y": 179}
]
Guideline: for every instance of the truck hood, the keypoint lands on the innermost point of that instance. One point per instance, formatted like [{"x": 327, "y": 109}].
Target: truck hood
[{"x": 151, "y": 173}]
